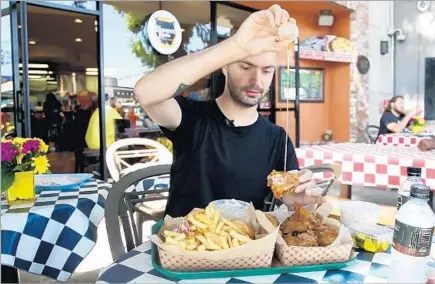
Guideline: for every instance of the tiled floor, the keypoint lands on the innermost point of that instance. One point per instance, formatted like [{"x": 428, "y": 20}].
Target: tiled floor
[{"x": 100, "y": 256}]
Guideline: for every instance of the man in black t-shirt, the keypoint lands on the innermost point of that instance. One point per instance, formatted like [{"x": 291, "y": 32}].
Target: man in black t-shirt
[
  {"x": 223, "y": 148},
  {"x": 394, "y": 120}
]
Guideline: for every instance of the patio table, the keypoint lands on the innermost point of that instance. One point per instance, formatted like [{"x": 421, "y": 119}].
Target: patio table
[
  {"x": 136, "y": 267},
  {"x": 55, "y": 233},
  {"x": 370, "y": 164},
  {"x": 405, "y": 140}
]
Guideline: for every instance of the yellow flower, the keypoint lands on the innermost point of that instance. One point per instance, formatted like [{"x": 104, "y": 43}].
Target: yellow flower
[
  {"x": 19, "y": 141},
  {"x": 42, "y": 146},
  {"x": 20, "y": 157},
  {"x": 41, "y": 164}
]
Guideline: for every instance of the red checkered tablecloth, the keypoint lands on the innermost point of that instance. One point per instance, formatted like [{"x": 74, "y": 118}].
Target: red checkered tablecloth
[
  {"x": 398, "y": 140},
  {"x": 371, "y": 164}
]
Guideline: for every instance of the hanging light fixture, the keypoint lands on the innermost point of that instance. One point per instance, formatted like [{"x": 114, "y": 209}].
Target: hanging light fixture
[{"x": 326, "y": 18}]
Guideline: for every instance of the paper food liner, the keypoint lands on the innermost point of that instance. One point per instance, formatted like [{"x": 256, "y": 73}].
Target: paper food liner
[
  {"x": 339, "y": 251},
  {"x": 255, "y": 254}
]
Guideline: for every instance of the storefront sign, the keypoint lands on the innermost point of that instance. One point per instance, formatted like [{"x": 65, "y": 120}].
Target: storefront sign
[
  {"x": 164, "y": 32},
  {"x": 328, "y": 48},
  {"x": 123, "y": 93},
  {"x": 329, "y": 43}
]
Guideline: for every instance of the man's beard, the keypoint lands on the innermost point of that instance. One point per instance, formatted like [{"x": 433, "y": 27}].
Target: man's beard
[{"x": 237, "y": 94}]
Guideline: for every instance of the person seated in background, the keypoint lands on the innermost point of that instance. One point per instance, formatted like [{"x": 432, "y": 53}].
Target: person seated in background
[
  {"x": 427, "y": 144},
  {"x": 394, "y": 119}
]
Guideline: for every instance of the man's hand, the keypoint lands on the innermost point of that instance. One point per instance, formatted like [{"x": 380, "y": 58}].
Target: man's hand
[
  {"x": 306, "y": 192},
  {"x": 259, "y": 33},
  {"x": 427, "y": 144}
]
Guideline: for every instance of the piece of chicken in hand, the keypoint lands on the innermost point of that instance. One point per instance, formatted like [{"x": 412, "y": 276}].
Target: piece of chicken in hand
[{"x": 282, "y": 183}]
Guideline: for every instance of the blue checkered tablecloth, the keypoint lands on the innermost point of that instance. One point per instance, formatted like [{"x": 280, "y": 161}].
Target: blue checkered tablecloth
[
  {"x": 53, "y": 235},
  {"x": 136, "y": 267}
]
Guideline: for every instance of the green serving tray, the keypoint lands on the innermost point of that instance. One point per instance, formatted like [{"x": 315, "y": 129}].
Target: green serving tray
[{"x": 242, "y": 272}]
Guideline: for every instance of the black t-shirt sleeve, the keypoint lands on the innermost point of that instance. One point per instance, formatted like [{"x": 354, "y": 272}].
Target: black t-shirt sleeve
[
  {"x": 188, "y": 117},
  {"x": 292, "y": 160},
  {"x": 388, "y": 118}
]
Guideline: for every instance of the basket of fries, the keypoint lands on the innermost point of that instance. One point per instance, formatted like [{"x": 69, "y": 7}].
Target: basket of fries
[
  {"x": 307, "y": 237},
  {"x": 206, "y": 240}
]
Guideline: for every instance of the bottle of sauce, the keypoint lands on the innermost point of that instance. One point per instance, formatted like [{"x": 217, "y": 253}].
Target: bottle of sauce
[
  {"x": 412, "y": 238},
  {"x": 414, "y": 176}
]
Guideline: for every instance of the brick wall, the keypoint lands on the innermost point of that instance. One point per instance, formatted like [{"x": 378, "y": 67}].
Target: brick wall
[{"x": 359, "y": 87}]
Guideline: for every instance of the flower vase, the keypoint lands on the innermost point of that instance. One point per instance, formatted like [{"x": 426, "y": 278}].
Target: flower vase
[
  {"x": 22, "y": 189},
  {"x": 416, "y": 129}
]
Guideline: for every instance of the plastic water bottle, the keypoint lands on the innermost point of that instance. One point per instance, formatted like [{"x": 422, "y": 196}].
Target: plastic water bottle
[
  {"x": 412, "y": 238},
  {"x": 414, "y": 175}
]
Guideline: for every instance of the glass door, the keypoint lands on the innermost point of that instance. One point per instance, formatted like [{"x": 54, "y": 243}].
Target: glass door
[{"x": 12, "y": 109}]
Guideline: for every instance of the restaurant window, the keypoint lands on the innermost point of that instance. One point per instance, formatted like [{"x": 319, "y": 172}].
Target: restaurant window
[
  {"x": 429, "y": 90},
  {"x": 229, "y": 19},
  {"x": 89, "y": 5},
  {"x": 7, "y": 101},
  {"x": 128, "y": 54}
]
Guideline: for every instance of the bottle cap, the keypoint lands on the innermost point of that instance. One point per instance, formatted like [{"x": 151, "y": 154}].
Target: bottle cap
[
  {"x": 420, "y": 191},
  {"x": 413, "y": 171}
]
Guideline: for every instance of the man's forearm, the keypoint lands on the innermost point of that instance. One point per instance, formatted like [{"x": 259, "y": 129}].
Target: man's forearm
[
  {"x": 176, "y": 76},
  {"x": 404, "y": 122}
]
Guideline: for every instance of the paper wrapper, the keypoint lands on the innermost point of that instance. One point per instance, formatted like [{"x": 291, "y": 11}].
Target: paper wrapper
[
  {"x": 339, "y": 251},
  {"x": 255, "y": 254}
]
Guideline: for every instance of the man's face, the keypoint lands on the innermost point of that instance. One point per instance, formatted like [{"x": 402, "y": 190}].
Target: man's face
[
  {"x": 248, "y": 80},
  {"x": 398, "y": 105}
]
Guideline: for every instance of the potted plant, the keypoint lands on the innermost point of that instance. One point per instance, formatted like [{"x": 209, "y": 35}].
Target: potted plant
[{"x": 21, "y": 159}]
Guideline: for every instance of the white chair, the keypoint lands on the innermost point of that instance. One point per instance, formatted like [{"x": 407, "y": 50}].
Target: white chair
[{"x": 118, "y": 155}]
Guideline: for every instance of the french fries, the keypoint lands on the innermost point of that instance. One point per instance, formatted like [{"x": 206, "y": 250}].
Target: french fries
[{"x": 208, "y": 231}]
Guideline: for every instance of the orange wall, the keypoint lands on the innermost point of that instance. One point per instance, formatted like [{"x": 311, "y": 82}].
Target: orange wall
[{"x": 333, "y": 113}]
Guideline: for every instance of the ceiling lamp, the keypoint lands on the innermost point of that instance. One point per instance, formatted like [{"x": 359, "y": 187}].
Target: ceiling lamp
[
  {"x": 326, "y": 18},
  {"x": 78, "y": 21},
  {"x": 78, "y": 39},
  {"x": 35, "y": 65},
  {"x": 32, "y": 42}
]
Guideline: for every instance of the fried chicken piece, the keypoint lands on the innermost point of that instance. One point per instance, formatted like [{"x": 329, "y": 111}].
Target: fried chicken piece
[
  {"x": 272, "y": 220},
  {"x": 282, "y": 183},
  {"x": 307, "y": 239},
  {"x": 301, "y": 221},
  {"x": 290, "y": 226},
  {"x": 326, "y": 235}
]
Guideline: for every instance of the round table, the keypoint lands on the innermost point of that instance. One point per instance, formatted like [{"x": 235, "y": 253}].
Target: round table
[
  {"x": 55, "y": 233},
  {"x": 136, "y": 267}
]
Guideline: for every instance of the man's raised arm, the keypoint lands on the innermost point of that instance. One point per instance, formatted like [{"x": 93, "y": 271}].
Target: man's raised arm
[
  {"x": 155, "y": 91},
  {"x": 259, "y": 33}
]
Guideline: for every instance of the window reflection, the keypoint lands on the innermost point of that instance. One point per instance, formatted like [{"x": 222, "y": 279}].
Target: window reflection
[
  {"x": 229, "y": 20},
  {"x": 128, "y": 54},
  {"x": 91, "y": 5},
  {"x": 7, "y": 102}
]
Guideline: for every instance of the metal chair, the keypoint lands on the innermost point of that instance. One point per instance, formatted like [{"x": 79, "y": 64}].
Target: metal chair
[
  {"x": 119, "y": 155},
  {"x": 372, "y": 132},
  {"x": 123, "y": 205}
]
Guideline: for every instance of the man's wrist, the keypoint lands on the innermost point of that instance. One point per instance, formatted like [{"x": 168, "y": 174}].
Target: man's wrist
[{"x": 233, "y": 50}]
